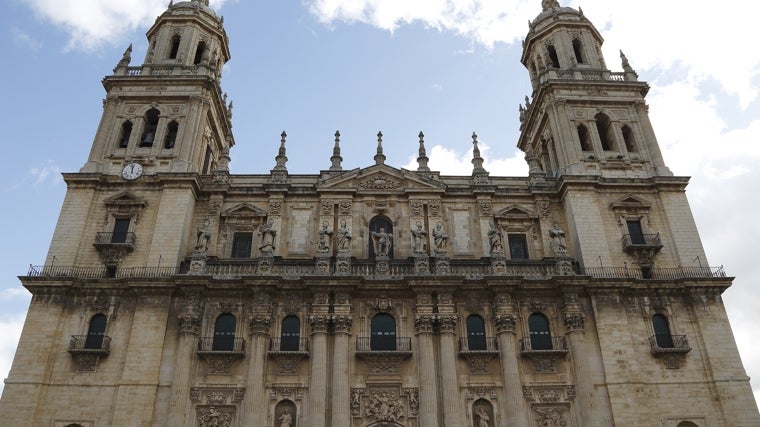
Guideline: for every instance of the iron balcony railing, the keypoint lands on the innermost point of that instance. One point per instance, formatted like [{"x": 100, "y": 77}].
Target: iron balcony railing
[
  {"x": 289, "y": 345},
  {"x": 90, "y": 344},
  {"x": 221, "y": 345},
  {"x": 633, "y": 242},
  {"x": 666, "y": 344},
  {"x": 478, "y": 345},
  {"x": 118, "y": 238},
  {"x": 474, "y": 271},
  {"x": 672, "y": 273},
  {"x": 543, "y": 345},
  {"x": 383, "y": 344}
]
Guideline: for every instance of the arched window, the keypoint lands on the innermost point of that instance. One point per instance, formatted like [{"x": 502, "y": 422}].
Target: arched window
[
  {"x": 578, "y": 50},
  {"x": 476, "y": 333},
  {"x": 224, "y": 333},
  {"x": 662, "y": 331},
  {"x": 381, "y": 236},
  {"x": 175, "y": 47},
  {"x": 553, "y": 56},
  {"x": 383, "y": 333},
  {"x": 171, "y": 134},
  {"x": 540, "y": 337},
  {"x": 151, "y": 124},
  {"x": 584, "y": 138},
  {"x": 96, "y": 332},
  {"x": 126, "y": 132},
  {"x": 199, "y": 51},
  {"x": 290, "y": 335},
  {"x": 604, "y": 127},
  {"x": 630, "y": 144},
  {"x": 686, "y": 424}
]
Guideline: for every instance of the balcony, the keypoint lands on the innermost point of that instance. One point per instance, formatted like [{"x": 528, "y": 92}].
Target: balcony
[
  {"x": 87, "y": 350},
  {"x": 126, "y": 240},
  {"x": 383, "y": 355},
  {"x": 288, "y": 352},
  {"x": 221, "y": 352},
  {"x": 672, "y": 273},
  {"x": 92, "y": 345},
  {"x": 481, "y": 345},
  {"x": 669, "y": 344},
  {"x": 478, "y": 351},
  {"x": 543, "y": 346},
  {"x": 638, "y": 242}
]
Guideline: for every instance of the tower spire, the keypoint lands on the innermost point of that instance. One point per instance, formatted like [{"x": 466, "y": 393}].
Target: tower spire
[
  {"x": 477, "y": 161},
  {"x": 281, "y": 158}
]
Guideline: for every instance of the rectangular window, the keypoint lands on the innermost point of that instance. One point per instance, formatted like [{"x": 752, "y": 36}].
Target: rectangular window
[
  {"x": 206, "y": 161},
  {"x": 636, "y": 232},
  {"x": 241, "y": 245},
  {"x": 120, "y": 230},
  {"x": 518, "y": 246}
]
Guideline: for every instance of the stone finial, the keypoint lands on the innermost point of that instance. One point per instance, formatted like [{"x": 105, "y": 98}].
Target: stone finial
[
  {"x": 422, "y": 159},
  {"x": 549, "y": 4},
  {"x": 625, "y": 63},
  {"x": 171, "y": 3},
  {"x": 380, "y": 157},
  {"x": 336, "y": 159},
  {"x": 281, "y": 159},
  {"x": 126, "y": 57},
  {"x": 477, "y": 161}
]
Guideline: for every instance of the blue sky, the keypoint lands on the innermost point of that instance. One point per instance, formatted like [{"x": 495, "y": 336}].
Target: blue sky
[{"x": 446, "y": 67}]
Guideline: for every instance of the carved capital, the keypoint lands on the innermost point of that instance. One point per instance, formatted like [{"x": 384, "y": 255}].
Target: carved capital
[
  {"x": 318, "y": 324},
  {"x": 189, "y": 321},
  {"x": 259, "y": 324},
  {"x": 423, "y": 324},
  {"x": 504, "y": 323},
  {"x": 574, "y": 321},
  {"x": 447, "y": 324},
  {"x": 342, "y": 324}
]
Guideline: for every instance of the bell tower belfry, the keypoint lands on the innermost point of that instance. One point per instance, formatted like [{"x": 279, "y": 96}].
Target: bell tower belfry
[
  {"x": 169, "y": 114},
  {"x": 583, "y": 119}
]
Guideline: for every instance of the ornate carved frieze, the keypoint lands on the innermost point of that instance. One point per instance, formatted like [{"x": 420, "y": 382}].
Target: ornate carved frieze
[
  {"x": 292, "y": 304},
  {"x": 345, "y": 207},
  {"x": 421, "y": 264},
  {"x": 384, "y": 406},
  {"x": 217, "y": 394},
  {"x": 220, "y": 362},
  {"x": 478, "y": 361},
  {"x": 385, "y": 363},
  {"x": 416, "y": 208},
  {"x": 215, "y": 416},
  {"x": 442, "y": 265},
  {"x": 485, "y": 208},
  {"x": 275, "y": 207},
  {"x": 189, "y": 319},
  {"x": 343, "y": 265},
  {"x": 413, "y": 398},
  {"x": 551, "y": 416},
  {"x": 549, "y": 393},
  {"x": 380, "y": 182},
  {"x": 574, "y": 321},
  {"x": 480, "y": 392},
  {"x": 545, "y": 364},
  {"x": 287, "y": 362},
  {"x": 544, "y": 208},
  {"x": 280, "y": 391},
  {"x": 327, "y": 207},
  {"x": 434, "y": 207}
]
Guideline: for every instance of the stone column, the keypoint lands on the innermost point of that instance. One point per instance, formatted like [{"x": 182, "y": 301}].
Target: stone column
[
  {"x": 341, "y": 400},
  {"x": 318, "y": 382},
  {"x": 254, "y": 406},
  {"x": 593, "y": 410},
  {"x": 515, "y": 407},
  {"x": 428, "y": 412},
  {"x": 189, "y": 323},
  {"x": 449, "y": 380}
]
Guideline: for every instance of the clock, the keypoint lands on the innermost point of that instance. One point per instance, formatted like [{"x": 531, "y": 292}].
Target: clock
[{"x": 132, "y": 171}]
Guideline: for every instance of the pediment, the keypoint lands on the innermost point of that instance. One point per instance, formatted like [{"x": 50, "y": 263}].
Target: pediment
[
  {"x": 244, "y": 210},
  {"x": 381, "y": 179},
  {"x": 125, "y": 198},
  {"x": 515, "y": 212},
  {"x": 630, "y": 201}
]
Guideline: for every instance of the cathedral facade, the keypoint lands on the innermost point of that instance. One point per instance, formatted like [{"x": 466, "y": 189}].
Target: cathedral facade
[{"x": 178, "y": 294}]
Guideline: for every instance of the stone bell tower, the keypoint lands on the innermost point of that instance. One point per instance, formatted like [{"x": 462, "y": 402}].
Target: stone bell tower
[
  {"x": 169, "y": 114},
  {"x": 582, "y": 119}
]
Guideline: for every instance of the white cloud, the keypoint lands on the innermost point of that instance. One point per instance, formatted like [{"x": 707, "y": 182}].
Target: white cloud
[
  {"x": 47, "y": 172},
  {"x": 93, "y": 23},
  {"x": 451, "y": 162},
  {"x": 22, "y": 38},
  {"x": 11, "y": 327}
]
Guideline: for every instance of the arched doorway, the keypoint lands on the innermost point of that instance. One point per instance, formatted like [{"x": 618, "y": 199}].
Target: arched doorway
[{"x": 383, "y": 333}]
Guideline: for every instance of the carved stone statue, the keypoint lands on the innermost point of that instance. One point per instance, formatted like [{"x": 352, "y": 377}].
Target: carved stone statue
[
  {"x": 286, "y": 420},
  {"x": 343, "y": 237},
  {"x": 495, "y": 238},
  {"x": 325, "y": 237},
  {"x": 204, "y": 237},
  {"x": 558, "y": 239},
  {"x": 383, "y": 241},
  {"x": 267, "y": 236},
  {"x": 483, "y": 418},
  {"x": 418, "y": 234},
  {"x": 440, "y": 237}
]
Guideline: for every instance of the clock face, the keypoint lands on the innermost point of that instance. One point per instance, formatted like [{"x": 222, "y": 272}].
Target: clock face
[{"x": 132, "y": 171}]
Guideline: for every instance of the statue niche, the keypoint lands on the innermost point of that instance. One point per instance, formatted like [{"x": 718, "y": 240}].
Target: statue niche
[{"x": 381, "y": 237}]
